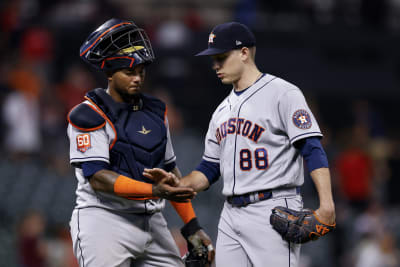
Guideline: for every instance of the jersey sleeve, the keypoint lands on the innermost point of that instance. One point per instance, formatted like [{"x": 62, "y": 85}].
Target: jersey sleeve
[
  {"x": 170, "y": 157},
  {"x": 88, "y": 146},
  {"x": 210, "y": 169},
  {"x": 297, "y": 118},
  {"x": 211, "y": 144},
  {"x": 313, "y": 153}
]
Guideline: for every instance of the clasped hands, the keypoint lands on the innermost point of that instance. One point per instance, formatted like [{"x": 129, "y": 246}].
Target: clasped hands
[{"x": 168, "y": 186}]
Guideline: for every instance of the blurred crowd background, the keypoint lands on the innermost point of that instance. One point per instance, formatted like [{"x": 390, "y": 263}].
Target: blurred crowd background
[{"x": 343, "y": 54}]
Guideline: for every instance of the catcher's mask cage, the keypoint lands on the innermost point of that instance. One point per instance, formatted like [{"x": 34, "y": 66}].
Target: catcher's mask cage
[{"x": 117, "y": 44}]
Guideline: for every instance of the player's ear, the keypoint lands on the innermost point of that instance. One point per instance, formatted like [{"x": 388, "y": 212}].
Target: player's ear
[{"x": 245, "y": 53}]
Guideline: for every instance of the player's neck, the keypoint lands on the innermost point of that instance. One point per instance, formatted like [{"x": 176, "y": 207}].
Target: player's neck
[
  {"x": 247, "y": 79},
  {"x": 123, "y": 98}
]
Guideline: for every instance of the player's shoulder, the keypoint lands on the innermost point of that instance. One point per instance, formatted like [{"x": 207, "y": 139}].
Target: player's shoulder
[
  {"x": 85, "y": 117},
  {"x": 153, "y": 101},
  {"x": 154, "y": 104},
  {"x": 280, "y": 88},
  {"x": 282, "y": 85}
]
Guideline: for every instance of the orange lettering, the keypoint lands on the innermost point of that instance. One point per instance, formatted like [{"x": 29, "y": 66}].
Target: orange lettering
[{"x": 321, "y": 229}]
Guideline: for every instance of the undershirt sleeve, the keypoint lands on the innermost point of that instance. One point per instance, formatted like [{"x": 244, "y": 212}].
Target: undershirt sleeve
[
  {"x": 210, "y": 170},
  {"x": 91, "y": 167},
  {"x": 312, "y": 152}
]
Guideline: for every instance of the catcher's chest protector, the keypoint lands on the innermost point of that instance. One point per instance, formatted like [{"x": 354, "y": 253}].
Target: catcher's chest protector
[{"x": 141, "y": 135}]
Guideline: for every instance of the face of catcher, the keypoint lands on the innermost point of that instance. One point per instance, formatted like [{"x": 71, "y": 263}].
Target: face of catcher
[{"x": 126, "y": 84}]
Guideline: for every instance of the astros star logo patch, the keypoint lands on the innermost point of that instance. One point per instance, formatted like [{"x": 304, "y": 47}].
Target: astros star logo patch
[{"x": 302, "y": 119}]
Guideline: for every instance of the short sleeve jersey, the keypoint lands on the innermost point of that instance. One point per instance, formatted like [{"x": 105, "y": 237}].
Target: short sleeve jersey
[
  {"x": 94, "y": 145},
  {"x": 251, "y": 136}
]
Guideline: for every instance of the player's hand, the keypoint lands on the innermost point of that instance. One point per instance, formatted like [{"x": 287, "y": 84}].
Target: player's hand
[
  {"x": 201, "y": 239},
  {"x": 326, "y": 215},
  {"x": 163, "y": 189},
  {"x": 157, "y": 175}
]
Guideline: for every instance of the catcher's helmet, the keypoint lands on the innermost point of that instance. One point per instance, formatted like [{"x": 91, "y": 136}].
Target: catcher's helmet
[{"x": 117, "y": 44}]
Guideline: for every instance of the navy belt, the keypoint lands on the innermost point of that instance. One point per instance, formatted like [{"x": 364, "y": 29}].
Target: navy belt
[{"x": 245, "y": 199}]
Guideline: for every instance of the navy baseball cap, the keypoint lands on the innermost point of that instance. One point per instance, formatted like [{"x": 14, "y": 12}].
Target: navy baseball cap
[{"x": 228, "y": 36}]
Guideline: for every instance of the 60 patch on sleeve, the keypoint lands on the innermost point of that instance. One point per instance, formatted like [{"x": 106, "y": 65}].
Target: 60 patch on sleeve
[{"x": 83, "y": 142}]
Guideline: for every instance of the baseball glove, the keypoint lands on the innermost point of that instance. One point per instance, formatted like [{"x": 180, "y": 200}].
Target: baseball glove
[
  {"x": 196, "y": 257},
  {"x": 298, "y": 226}
]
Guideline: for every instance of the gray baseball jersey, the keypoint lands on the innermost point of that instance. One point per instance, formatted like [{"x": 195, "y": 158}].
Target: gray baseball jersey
[
  {"x": 251, "y": 136},
  {"x": 95, "y": 146}
]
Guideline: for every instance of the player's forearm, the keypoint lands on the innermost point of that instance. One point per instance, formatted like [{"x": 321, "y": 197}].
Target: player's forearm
[
  {"x": 112, "y": 182},
  {"x": 322, "y": 181},
  {"x": 196, "y": 180},
  {"x": 184, "y": 210},
  {"x": 120, "y": 185},
  {"x": 104, "y": 181}
]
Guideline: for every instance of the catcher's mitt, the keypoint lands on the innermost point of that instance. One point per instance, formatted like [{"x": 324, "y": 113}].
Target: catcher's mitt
[
  {"x": 196, "y": 257},
  {"x": 298, "y": 226}
]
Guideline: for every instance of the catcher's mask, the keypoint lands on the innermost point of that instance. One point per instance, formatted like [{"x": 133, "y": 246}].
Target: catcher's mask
[{"x": 117, "y": 44}]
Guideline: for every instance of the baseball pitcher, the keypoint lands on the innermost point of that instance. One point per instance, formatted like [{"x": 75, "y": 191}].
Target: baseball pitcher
[{"x": 257, "y": 140}]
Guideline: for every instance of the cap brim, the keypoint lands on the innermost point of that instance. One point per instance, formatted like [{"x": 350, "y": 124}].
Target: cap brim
[{"x": 212, "y": 51}]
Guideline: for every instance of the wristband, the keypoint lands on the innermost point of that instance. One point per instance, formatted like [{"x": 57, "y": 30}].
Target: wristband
[{"x": 190, "y": 228}]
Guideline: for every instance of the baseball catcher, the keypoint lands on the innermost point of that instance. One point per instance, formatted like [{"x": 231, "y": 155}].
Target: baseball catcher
[{"x": 298, "y": 226}]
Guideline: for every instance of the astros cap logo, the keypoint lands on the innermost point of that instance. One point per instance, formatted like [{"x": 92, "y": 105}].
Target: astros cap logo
[
  {"x": 211, "y": 38},
  {"x": 231, "y": 36}
]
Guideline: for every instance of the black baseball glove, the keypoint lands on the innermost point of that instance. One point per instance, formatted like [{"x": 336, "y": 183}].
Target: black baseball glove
[
  {"x": 298, "y": 226},
  {"x": 196, "y": 257},
  {"x": 200, "y": 250}
]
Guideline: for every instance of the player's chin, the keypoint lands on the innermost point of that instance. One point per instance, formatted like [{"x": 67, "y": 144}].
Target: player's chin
[
  {"x": 225, "y": 80},
  {"x": 134, "y": 90}
]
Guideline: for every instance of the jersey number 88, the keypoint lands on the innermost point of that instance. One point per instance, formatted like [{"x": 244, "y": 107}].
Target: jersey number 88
[{"x": 260, "y": 159}]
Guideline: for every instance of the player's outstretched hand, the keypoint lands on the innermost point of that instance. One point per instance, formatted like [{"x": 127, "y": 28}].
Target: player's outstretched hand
[
  {"x": 163, "y": 189},
  {"x": 157, "y": 175}
]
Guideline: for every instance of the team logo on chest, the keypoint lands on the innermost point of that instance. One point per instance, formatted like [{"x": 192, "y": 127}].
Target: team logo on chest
[
  {"x": 302, "y": 119},
  {"x": 144, "y": 130},
  {"x": 83, "y": 142},
  {"x": 239, "y": 126}
]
